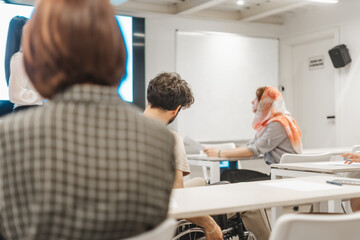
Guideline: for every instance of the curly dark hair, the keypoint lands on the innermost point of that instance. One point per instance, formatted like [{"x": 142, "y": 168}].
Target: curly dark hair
[{"x": 168, "y": 91}]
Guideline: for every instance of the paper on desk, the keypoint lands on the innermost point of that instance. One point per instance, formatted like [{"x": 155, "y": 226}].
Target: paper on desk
[
  {"x": 195, "y": 144},
  {"x": 301, "y": 185},
  {"x": 337, "y": 163}
]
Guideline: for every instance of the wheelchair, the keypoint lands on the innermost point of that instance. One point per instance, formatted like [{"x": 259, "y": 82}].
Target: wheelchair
[{"x": 232, "y": 229}]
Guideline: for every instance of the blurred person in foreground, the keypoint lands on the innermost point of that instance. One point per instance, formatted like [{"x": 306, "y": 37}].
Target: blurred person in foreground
[{"x": 86, "y": 165}]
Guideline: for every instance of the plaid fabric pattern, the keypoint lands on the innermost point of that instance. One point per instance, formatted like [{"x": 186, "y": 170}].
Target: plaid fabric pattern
[{"x": 85, "y": 166}]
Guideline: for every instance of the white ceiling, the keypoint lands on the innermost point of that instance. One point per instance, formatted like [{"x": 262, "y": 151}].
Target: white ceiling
[{"x": 268, "y": 11}]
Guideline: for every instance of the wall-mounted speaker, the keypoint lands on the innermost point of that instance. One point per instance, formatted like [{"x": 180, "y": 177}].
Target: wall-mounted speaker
[{"x": 340, "y": 56}]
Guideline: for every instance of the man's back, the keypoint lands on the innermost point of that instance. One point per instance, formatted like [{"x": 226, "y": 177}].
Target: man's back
[{"x": 83, "y": 167}]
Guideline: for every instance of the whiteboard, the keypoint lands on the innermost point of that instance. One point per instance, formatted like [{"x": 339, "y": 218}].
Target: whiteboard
[{"x": 223, "y": 71}]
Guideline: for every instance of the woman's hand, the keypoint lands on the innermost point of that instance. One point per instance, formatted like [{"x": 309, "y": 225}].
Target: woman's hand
[
  {"x": 214, "y": 234},
  {"x": 351, "y": 157},
  {"x": 212, "y": 152}
]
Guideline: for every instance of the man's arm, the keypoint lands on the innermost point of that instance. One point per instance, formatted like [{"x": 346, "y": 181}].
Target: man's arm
[
  {"x": 179, "y": 179},
  {"x": 212, "y": 230},
  {"x": 274, "y": 134}
]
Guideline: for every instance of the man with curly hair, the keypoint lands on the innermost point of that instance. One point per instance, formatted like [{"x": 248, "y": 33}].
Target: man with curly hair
[{"x": 167, "y": 94}]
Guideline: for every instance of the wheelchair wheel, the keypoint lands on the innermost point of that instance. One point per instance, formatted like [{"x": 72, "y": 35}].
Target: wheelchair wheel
[
  {"x": 234, "y": 231},
  {"x": 188, "y": 231}
]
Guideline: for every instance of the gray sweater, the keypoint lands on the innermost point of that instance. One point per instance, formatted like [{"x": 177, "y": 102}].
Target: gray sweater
[{"x": 273, "y": 143}]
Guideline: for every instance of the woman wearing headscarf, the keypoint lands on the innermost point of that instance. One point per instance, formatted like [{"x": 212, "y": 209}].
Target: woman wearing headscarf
[{"x": 276, "y": 131}]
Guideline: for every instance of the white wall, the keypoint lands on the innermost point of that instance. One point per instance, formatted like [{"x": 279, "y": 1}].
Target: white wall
[
  {"x": 161, "y": 40},
  {"x": 345, "y": 17}
]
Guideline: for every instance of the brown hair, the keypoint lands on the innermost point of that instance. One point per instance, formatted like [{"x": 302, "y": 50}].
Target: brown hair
[
  {"x": 73, "y": 41},
  {"x": 168, "y": 91},
  {"x": 259, "y": 93}
]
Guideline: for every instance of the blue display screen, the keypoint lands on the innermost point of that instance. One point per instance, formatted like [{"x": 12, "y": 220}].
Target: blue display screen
[
  {"x": 8, "y": 11},
  {"x": 224, "y": 164},
  {"x": 126, "y": 88}
]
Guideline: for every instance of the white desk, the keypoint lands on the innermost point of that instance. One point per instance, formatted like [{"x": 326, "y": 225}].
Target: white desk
[
  {"x": 221, "y": 199},
  {"x": 335, "y": 152},
  {"x": 213, "y": 163},
  {"x": 311, "y": 168},
  {"x": 328, "y": 169}
]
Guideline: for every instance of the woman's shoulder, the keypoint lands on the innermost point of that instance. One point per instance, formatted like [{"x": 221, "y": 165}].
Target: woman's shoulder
[
  {"x": 276, "y": 126},
  {"x": 16, "y": 56}
]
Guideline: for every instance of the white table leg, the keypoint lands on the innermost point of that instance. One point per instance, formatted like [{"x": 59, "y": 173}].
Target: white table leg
[
  {"x": 215, "y": 172},
  {"x": 274, "y": 176},
  {"x": 347, "y": 206},
  {"x": 205, "y": 174},
  {"x": 205, "y": 165},
  {"x": 239, "y": 165},
  {"x": 334, "y": 206},
  {"x": 316, "y": 207},
  {"x": 324, "y": 206},
  {"x": 331, "y": 206},
  {"x": 321, "y": 207},
  {"x": 275, "y": 214}
]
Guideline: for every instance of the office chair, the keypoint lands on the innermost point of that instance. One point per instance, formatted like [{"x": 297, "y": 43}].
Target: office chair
[
  {"x": 297, "y": 158},
  {"x": 355, "y": 149},
  {"x": 317, "y": 227},
  {"x": 165, "y": 231}
]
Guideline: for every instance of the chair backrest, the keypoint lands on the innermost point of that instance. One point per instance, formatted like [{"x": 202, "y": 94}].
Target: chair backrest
[
  {"x": 297, "y": 158},
  {"x": 221, "y": 146},
  {"x": 317, "y": 227},
  {"x": 165, "y": 231},
  {"x": 356, "y": 149}
]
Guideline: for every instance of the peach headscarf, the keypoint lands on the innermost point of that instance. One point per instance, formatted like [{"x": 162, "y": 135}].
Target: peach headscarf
[{"x": 272, "y": 108}]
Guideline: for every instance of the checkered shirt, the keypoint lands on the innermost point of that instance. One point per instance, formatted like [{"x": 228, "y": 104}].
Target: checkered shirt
[{"x": 85, "y": 166}]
